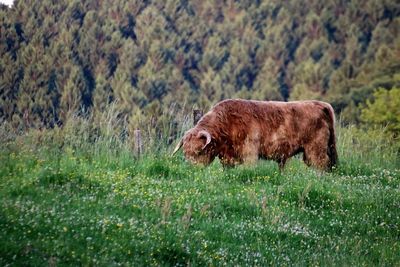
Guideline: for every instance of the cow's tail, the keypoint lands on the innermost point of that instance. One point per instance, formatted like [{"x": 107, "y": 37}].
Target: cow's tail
[{"x": 332, "y": 152}]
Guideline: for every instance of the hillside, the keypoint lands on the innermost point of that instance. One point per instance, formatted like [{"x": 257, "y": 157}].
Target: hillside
[
  {"x": 69, "y": 201},
  {"x": 61, "y": 57}
]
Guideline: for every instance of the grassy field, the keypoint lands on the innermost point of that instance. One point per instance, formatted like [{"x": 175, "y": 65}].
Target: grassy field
[{"x": 66, "y": 200}]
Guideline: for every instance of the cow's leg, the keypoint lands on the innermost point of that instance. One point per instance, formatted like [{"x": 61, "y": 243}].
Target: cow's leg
[
  {"x": 281, "y": 163},
  {"x": 250, "y": 158},
  {"x": 316, "y": 152},
  {"x": 227, "y": 161},
  {"x": 306, "y": 158},
  {"x": 250, "y": 152},
  {"x": 316, "y": 156},
  {"x": 227, "y": 167}
]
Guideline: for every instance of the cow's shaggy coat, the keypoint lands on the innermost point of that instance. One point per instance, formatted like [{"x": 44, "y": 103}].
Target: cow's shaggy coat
[{"x": 242, "y": 131}]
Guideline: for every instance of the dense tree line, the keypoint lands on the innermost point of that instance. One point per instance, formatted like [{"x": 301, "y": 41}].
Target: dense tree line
[{"x": 65, "y": 57}]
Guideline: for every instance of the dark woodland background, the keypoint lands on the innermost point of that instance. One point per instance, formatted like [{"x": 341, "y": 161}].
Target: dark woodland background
[{"x": 60, "y": 58}]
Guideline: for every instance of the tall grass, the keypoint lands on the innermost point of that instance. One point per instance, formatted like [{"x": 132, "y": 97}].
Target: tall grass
[{"x": 79, "y": 195}]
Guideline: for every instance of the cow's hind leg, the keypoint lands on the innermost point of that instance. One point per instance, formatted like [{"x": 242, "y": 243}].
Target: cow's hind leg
[
  {"x": 316, "y": 156},
  {"x": 316, "y": 152},
  {"x": 306, "y": 158}
]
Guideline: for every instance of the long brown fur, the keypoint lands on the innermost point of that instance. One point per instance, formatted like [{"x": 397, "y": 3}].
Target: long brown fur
[{"x": 242, "y": 131}]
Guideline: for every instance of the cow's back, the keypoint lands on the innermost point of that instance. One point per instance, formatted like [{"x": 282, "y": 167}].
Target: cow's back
[{"x": 273, "y": 128}]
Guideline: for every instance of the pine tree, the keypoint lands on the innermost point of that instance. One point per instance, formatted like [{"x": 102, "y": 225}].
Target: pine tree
[
  {"x": 72, "y": 93},
  {"x": 9, "y": 82},
  {"x": 266, "y": 86},
  {"x": 60, "y": 56}
]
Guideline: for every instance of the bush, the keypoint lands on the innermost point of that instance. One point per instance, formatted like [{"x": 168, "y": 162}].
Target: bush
[{"x": 383, "y": 111}]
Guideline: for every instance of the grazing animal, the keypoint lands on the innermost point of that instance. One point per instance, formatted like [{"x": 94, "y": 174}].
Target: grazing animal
[{"x": 242, "y": 131}]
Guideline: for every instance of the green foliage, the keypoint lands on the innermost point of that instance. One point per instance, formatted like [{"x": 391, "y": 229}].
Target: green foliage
[
  {"x": 60, "y": 57},
  {"x": 384, "y": 110}
]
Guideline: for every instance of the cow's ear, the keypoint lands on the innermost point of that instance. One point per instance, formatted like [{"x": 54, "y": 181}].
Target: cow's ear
[{"x": 206, "y": 135}]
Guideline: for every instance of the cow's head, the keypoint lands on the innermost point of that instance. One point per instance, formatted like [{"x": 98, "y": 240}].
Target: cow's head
[{"x": 196, "y": 147}]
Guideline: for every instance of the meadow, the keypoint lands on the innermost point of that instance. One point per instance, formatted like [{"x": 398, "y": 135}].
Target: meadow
[{"x": 69, "y": 199}]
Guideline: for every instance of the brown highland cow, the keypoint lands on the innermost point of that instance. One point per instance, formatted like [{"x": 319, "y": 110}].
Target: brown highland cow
[{"x": 242, "y": 131}]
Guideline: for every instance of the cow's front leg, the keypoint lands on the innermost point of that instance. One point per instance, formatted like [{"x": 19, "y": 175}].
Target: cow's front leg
[
  {"x": 281, "y": 163},
  {"x": 250, "y": 151},
  {"x": 227, "y": 161},
  {"x": 250, "y": 159}
]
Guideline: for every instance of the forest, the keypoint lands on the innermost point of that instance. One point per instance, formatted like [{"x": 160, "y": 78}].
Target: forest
[
  {"x": 81, "y": 81},
  {"x": 60, "y": 58}
]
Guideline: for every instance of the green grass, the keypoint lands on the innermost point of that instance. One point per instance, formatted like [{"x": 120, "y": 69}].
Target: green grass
[{"x": 83, "y": 203}]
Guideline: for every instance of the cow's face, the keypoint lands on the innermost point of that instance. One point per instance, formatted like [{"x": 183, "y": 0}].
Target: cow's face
[{"x": 196, "y": 147}]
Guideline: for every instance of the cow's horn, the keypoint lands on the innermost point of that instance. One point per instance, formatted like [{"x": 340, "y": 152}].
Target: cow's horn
[
  {"x": 178, "y": 146},
  {"x": 207, "y": 135}
]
